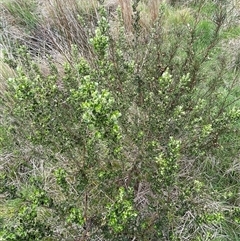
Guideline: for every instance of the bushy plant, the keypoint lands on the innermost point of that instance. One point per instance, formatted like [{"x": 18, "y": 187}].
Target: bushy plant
[{"x": 129, "y": 143}]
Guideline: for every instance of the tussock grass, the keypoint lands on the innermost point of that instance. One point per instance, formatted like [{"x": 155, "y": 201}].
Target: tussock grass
[{"x": 46, "y": 26}]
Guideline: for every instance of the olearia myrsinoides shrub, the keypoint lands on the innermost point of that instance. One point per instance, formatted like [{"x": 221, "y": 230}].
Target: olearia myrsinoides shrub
[{"x": 119, "y": 147}]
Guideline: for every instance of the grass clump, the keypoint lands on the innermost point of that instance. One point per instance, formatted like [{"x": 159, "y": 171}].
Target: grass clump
[{"x": 23, "y": 12}]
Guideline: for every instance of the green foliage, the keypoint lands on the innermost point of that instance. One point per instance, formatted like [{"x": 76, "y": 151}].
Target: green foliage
[
  {"x": 121, "y": 213},
  {"x": 60, "y": 175},
  {"x": 26, "y": 226},
  {"x": 100, "y": 41},
  {"x": 167, "y": 165}
]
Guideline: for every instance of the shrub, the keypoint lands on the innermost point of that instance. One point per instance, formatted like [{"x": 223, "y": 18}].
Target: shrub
[{"x": 130, "y": 142}]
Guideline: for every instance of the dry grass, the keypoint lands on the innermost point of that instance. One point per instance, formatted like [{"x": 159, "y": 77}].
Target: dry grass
[
  {"x": 65, "y": 21},
  {"x": 59, "y": 23}
]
